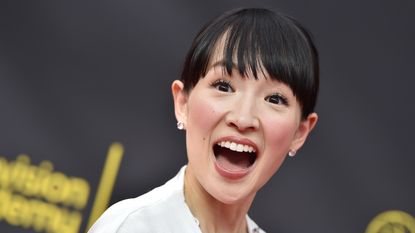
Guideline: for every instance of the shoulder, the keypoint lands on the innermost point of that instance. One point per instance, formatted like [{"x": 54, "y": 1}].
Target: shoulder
[
  {"x": 145, "y": 209},
  {"x": 144, "y": 212}
]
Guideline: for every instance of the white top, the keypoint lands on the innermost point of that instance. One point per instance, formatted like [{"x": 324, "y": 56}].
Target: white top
[{"x": 162, "y": 210}]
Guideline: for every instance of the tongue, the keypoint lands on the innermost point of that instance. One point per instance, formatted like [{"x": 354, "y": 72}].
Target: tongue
[{"x": 232, "y": 160}]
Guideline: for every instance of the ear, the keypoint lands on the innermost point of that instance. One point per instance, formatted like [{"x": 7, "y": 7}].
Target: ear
[
  {"x": 303, "y": 130},
  {"x": 180, "y": 101}
]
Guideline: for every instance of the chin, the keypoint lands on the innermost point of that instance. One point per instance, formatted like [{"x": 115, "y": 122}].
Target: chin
[{"x": 230, "y": 197}]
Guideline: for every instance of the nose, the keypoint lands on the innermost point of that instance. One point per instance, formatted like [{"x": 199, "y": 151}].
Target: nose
[{"x": 243, "y": 116}]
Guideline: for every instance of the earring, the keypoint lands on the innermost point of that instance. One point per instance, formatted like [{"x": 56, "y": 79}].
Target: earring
[
  {"x": 180, "y": 125},
  {"x": 292, "y": 153}
]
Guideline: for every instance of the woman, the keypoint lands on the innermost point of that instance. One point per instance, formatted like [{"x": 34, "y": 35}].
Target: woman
[{"x": 246, "y": 99}]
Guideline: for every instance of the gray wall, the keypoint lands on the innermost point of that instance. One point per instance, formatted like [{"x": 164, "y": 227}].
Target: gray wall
[{"x": 76, "y": 76}]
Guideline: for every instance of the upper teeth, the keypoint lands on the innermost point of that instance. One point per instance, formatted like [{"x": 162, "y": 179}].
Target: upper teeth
[{"x": 236, "y": 146}]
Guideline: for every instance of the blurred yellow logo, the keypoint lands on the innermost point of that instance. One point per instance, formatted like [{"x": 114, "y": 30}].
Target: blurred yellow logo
[
  {"x": 38, "y": 197},
  {"x": 392, "y": 221}
]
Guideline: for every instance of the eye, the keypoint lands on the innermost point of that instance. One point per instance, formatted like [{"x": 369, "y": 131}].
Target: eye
[
  {"x": 277, "y": 99},
  {"x": 222, "y": 85}
]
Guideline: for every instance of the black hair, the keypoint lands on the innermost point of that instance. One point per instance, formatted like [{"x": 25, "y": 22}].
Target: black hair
[{"x": 258, "y": 40}]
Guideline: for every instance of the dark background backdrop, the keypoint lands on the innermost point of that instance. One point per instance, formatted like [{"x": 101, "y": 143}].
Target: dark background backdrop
[{"x": 76, "y": 76}]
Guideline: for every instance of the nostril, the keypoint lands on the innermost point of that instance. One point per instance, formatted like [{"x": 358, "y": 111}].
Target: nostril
[
  {"x": 231, "y": 124},
  {"x": 243, "y": 125},
  {"x": 242, "y": 120}
]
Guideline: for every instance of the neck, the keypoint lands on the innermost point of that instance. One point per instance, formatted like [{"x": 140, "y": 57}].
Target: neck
[{"x": 213, "y": 215}]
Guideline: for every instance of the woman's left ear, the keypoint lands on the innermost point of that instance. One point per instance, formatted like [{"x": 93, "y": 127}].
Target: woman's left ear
[
  {"x": 180, "y": 101},
  {"x": 303, "y": 130}
]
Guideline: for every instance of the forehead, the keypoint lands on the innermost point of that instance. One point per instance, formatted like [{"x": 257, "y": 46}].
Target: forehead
[
  {"x": 218, "y": 53},
  {"x": 219, "y": 58}
]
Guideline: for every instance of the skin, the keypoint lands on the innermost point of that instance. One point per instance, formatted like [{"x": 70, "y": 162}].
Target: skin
[{"x": 241, "y": 108}]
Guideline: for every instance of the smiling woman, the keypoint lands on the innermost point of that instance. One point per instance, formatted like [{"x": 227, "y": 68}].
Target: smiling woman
[{"x": 246, "y": 99}]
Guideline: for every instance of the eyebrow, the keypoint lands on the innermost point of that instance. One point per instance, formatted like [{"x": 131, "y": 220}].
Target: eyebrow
[{"x": 222, "y": 64}]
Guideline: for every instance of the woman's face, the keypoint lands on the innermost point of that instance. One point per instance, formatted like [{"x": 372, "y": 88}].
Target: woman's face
[{"x": 238, "y": 131}]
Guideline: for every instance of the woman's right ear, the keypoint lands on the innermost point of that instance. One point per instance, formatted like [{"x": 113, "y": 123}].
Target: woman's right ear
[{"x": 180, "y": 101}]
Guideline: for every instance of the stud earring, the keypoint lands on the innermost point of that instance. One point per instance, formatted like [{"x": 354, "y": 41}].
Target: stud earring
[
  {"x": 292, "y": 153},
  {"x": 180, "y": 125}
]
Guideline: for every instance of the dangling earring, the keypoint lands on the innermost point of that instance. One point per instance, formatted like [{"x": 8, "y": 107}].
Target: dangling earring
[
  {"x": 292, "y": 153},
  {"x": 180, "y": 125}
]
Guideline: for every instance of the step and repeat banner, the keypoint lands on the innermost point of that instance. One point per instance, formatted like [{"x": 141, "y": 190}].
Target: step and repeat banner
[{"x": 86, "y": 114}]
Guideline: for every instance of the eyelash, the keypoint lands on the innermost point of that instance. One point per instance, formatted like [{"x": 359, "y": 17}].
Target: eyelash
[
  {"x": 227, "y": 84},
  {"x": 222, "y": 83},
  {"x": 281, "y": 99}
]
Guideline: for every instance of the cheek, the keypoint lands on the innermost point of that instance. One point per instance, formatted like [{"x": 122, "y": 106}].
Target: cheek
[
  {"x": 279, "y": 133},
  {"x": 202, "y": 114}
]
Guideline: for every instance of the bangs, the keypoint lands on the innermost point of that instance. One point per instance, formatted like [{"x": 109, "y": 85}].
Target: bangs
[{"x": 254, "y": 41}]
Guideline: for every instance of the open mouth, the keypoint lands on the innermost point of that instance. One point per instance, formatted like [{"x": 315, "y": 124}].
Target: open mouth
[{"x": 234, "y": 157}]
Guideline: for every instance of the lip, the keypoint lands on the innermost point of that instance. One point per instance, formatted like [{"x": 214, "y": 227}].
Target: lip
[{"x": 235, "y": 175}]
